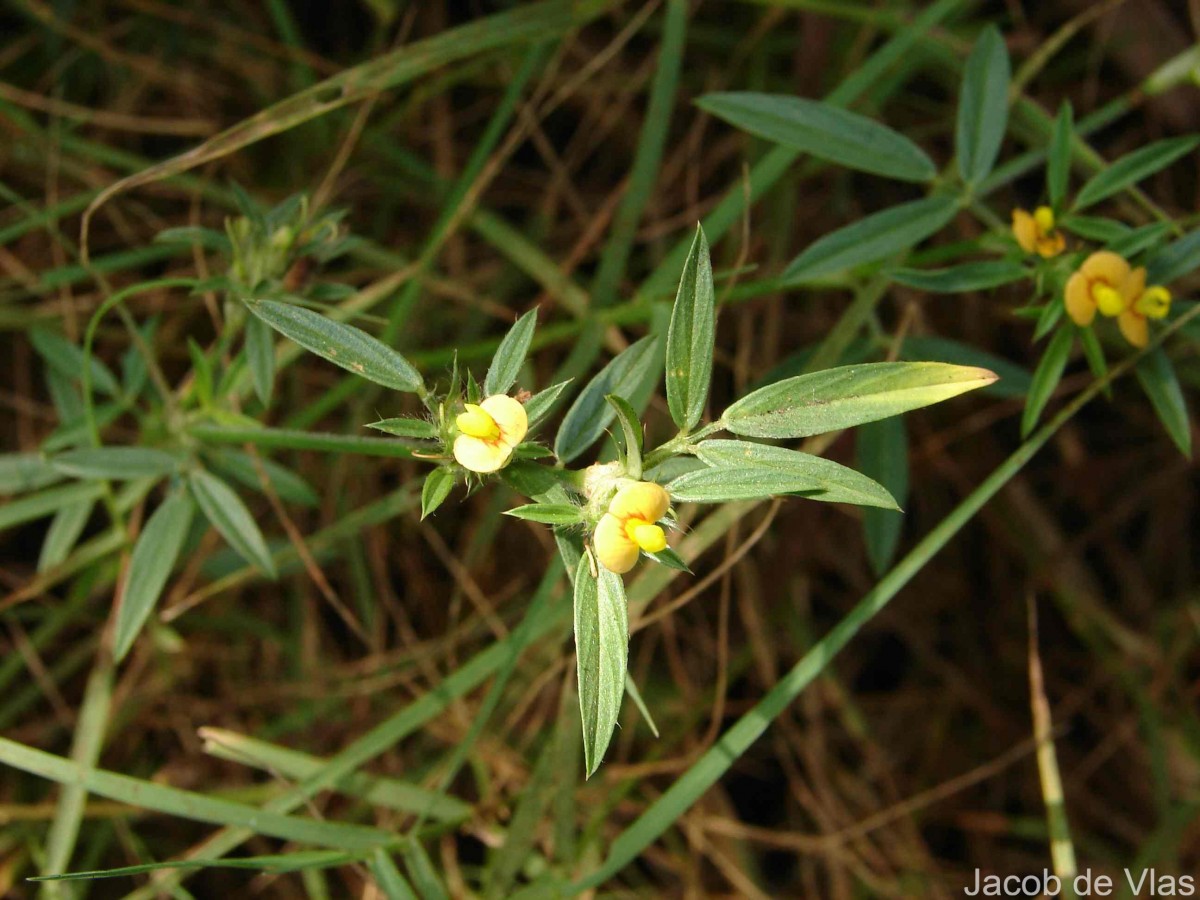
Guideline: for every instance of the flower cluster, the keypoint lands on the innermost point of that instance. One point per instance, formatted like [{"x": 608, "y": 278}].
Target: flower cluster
[
  {"x": 1108, "y": 284},
  {"x": 489, "y": 432},
  {"x": 631, "y": 526}
]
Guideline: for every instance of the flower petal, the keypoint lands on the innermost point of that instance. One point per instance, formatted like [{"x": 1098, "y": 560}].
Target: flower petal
[
  {"x": 1078, "y": 299},
  {"x": 643, "y": 500},
  {"x": 1134, "y": 328},
  {"x": 1134, "y": 285},
  {"x": 1024, "y": 229},
  {"x": 510, "y": 416},
  {"x": 480, "y": 456},
  {"x": 614, "y": 550},
  {"x": 1104, "y": 265}
]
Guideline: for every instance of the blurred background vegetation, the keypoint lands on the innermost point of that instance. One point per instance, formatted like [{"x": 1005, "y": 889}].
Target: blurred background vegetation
[{"x": 906, "y": 765}]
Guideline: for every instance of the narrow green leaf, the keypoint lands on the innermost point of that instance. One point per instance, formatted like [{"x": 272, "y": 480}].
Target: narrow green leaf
[
  {"x": 1140, "y": 239},
  {"x": 189, "y": 235},
  {"x": 20, "y": 472},
  {"x": 1049, "y": 318},
  {"x": 541, "y": 404},
  {"x": 1132, "y": 168},
  {"x": 548, "y": 513},
  {"x": 436, "y": 489},
  {"x": 872, "y": 238},
  {"x": 635, "y": 695},
  {"x": 67, "y": 359},
  {"x": 1093, "y": 352},
  {"x": 47, "y": 502},
  {"x": 65, "y": 528},
  {"x": 1058, "y": 166},
  {"x": 1046, "y": 377},
  {"x": 1179, "y": 258},
  {"x": 669, "y": 558},
  {"x": 117, "y": 463},
  {"x": 260, "y": 357},
  {"x": 848, "y": 395},
  {"x": 602, "y": 649},
  {"x": 239, "y": 465},
  {"x": 388, "y": 877},
  {"x": 226, "y": 512},
  {"x": 690, "y": 337},
  {"x": 824, "y": 131},
  {"x": 154, "y": 556},
  {"x": 341, "y": 344},
  {"x": 741, "y": 467},
  {"x": 274, "y": 864},
  {"x": 982, "y": 106},
  {"x": 590, "y": 414},
  {"x": 202, "y": 384},
  {"x": 631, "y": 429},
  {"x": 421, "y": 871},
  {"x": 1158, "y": 379},
  {"x": 405, "y": 427},
  {"x": 972, "y": 276},
  {"x": 1095, "y": 228},
  {"x": 883, "y": 455},
  {"x": 510, "y": 355}
]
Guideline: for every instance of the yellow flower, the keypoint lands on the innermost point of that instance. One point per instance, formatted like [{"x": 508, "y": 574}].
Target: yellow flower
[
  {"x": 1099, "y": 284},
  {"x": 630, "y": 526},
  {"x": 1141, "y": 303},
  {"x": 488, "y": 433},
  {"x": 1036, "y": 233}
]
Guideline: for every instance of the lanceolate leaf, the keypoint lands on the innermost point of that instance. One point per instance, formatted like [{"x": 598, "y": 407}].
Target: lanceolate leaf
[
  {"x": 548, "y": 513},
  {"x": 824, "y": 131},
  {"x": 631, "y": 430},
  {"x": 1046, "y": 377},
  {"x": 883, "y": 454},
  {"x": 117, "y": 463},
  {"x": 405, "y": 427},
  {"x": 154, "y": 556},
  {"x": 541, "y": 404},
  {"x": 226, "y": 512},
  {"x": 260, "y": 355},
  {"x": 1179, "y": 258},
  {"x": 690, "y": 338},
  {"x": 602, "y": 650},
  {"x": 510, "y": 355},
  {"x": 341, "y": 344},
  {"x": 972, "y": 276},
  {"x": 1058, "y": 166},
  {"x": 436, "y": 489},
  {"x": 1159, "y": 381},
  {"x": 67, "y": 359},
  {"x": 871, "y": 239},
  {"x": 788, "y": 470},
  {"x": 590, "y": 414},
  {"x": 847, "y": 396},
  {"x": 66, "y": 526},
  {"x": 240, "y": 466},
  {"x": 1132, "y": 168},
  {"x": 21, "y": 472},
  {"x": 982, "y": 106}
]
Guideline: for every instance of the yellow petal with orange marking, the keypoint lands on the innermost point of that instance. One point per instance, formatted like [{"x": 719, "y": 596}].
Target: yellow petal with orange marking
[
  {"x": 479, "y": 455},
  {"x": 509, "y": 416},
  {"x": 643, "y": 500},
  {"x": 614, "y": 548}
]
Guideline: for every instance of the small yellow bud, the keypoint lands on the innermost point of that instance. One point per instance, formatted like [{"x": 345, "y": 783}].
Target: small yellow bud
[{"x": 1043, "y": 216}]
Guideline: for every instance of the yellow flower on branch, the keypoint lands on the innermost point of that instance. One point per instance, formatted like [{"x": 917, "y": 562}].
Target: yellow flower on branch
[
  {"x": 1036, "y": 233},
  {"x": 489, "y": 432},
  {"x": 1099, "y": 284},
  {"x": 631, "y": 526}
]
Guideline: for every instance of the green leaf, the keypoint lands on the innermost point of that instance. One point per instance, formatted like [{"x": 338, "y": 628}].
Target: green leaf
[
  {"x": 20, "y": 472},
  {"x": 190, "y": 235},
  {"x": 982, "y": 106},
  {"x": 1095, "y": 228},
  {"x": 741, "y": 470},
  {"x": 883, "y": 455},
  {"x": 824, "y": 131},
  {"x": 226, "y": 512},
  {"x": 1179, "y": 258},
  {"x": 1137, "y": 240},
  {"x": 47, "y": 502},
  {"x": 871, "y": 239},
  {"x": 631, "y": 429},
  {"x": 388, "y": 877},
  {"x": 274, "y": 864},
  {"x": 541, "y": 404},
  {"x": 971, "y": 276},
  {"x": 590, "y": 414},
  {"x": 1051, "y": 315},
  {"x": 669, "y": 558},
  {"x": 1013, "y": 380},
  {"x": 65, "y": 528},
  {"x": 1094, "y": 353},
  {"x": 154, "y": 556},
  {"x": 532, "y": 480},
  {"x": 1158, "y": 380},
  {"x": 1132, "y": 168},
  {"x": 1058, "y": 166},
  {"x": 202, "y": 367},
  {"x": 510, "y": 355},
  {"x": 117, "y": 463},
  {"x": 548, "y": 513},
  {"x": 67, "y": 359},
  {"x": 436, "y": 489},
  {"x": 635, "y": 695},
  {"x": 341, "y": 344},
  {"x": 602, "y": 650},
  {"x": 690, "y": 337},
  {"x": 848, "y": 395},
  {"x": 239, "y": 465},
  {"x": 408, "y": 428},
  {"x": 260, "y": 357},
  {"x": 1046, "y": 377}
]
